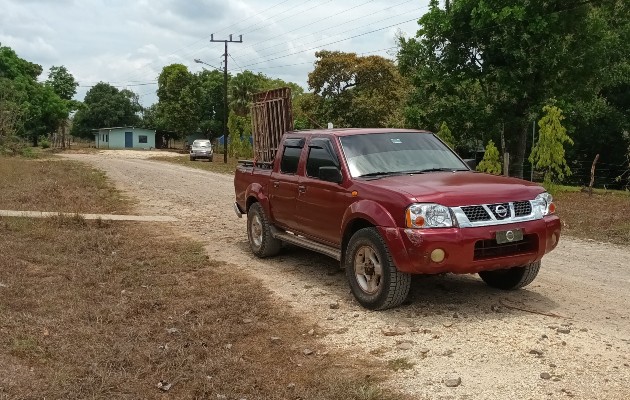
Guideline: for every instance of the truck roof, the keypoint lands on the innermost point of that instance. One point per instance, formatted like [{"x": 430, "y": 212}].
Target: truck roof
[{"x": 353, "y": 131}]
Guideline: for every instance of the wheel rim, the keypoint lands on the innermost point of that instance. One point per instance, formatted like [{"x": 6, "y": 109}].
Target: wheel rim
[
  {"x": 256, "y": 230},
  {"x": 368, "y": 270}
]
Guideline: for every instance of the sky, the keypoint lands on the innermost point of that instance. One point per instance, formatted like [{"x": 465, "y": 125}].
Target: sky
[{"x": 127, "y": 42}]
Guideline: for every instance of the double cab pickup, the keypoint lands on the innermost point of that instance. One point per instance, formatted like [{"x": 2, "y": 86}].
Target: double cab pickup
[{"x": 389, "y": 203}]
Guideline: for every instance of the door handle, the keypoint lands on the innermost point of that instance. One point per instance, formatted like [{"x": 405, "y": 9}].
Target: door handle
[
  {"x": 302, "y": 189},
  {"x": 276, "y": 184}
]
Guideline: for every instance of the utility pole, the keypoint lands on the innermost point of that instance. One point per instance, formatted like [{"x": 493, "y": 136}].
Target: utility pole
[{"x": 225, "y": 90}]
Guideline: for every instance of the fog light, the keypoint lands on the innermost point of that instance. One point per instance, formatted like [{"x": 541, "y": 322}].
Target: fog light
[{"x": 437, "y": 255}]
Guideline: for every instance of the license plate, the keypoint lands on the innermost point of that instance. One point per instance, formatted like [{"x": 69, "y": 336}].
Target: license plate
[{"x": 509, "y": 236}]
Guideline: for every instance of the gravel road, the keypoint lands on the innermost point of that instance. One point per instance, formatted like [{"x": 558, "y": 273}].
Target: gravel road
[{"x": 565, "y": 335}]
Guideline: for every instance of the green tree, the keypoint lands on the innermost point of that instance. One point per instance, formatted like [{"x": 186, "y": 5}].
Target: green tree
[
  {"x": 482, "y": 63},
  {"x": 179, "y": 94},
  {"x": 491, "y": 162},
  {"x": 62, "y": 82},
  {"x": 354, "y": 91},
  {"x": 211, "y": 104},
  {"x": 445, "y": 134},
  {"x": 242, "y": 88},
  {"x": 548, "y": 153},
  {"x": 38, "y": 109},
  {"x": 106, "y": 106}
]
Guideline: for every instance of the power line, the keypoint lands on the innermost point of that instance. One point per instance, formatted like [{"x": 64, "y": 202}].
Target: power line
[
  {"x": 292, "y": 15},
  {"x": 341, "y": 33},
  {"x": 250, "y": 17},
  {"x": 334, "y": 42},
  {"x": 239, "y": 67},
  {"x": 330, "y": 27}
]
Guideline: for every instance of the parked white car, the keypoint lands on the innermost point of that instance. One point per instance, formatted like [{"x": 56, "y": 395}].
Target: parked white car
[{"x": 201, "y": 148}]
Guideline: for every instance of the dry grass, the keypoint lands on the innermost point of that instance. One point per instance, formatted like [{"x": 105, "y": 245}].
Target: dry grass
[
  {"x": 603, "y": 216},
  {"x": 216, "y": 166},
  {"x": 109, "y": 309},
  {"x": 53, "y": 185}
]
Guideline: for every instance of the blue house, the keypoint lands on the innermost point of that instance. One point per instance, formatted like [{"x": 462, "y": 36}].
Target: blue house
[{"x": 126, "y": 137}]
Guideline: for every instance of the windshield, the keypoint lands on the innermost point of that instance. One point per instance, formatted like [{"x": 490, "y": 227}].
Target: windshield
[
  {"x": 398, "y": 152},
  {"x": 201, "y": 144}
]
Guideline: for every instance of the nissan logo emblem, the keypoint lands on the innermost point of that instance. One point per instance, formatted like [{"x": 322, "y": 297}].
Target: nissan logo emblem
[{"x": 501, "y": 210}]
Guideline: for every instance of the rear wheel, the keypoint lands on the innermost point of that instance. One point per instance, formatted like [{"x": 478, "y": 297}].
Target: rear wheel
[
  {"x": 261, "y": 241},
  {"x": 511, "y": 278},
  {"x": 374, "y": 280}
]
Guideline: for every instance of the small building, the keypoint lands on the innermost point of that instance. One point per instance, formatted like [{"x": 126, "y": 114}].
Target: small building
[{"x": 126, "y": 137}]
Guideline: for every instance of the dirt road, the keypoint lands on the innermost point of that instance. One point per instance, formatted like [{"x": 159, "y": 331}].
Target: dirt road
[{"x": 566, "y": 335}]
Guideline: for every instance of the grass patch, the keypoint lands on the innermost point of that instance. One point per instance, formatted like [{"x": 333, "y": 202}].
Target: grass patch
[
  {"x": 54, "y": 185},
  {"x": 400, "y": 364},
  {"x": 604, "y": 217},
  {"x": 100, "y": 309},
  {"x": 215, "y": 166}
]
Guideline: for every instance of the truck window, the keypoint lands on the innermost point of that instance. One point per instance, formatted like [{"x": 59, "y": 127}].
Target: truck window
[
  {"x": 290, "y": 158},
  {"x": 320, "y": 154}
]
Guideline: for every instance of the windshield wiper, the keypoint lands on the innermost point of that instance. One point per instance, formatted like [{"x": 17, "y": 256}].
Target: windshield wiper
[
  {"x": 421, "y": 171},
  {"x": 379, "y": 173}
]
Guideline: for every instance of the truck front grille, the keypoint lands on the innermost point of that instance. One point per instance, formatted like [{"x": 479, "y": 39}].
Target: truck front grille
[
  {"x": 485, "y": 249},
  {"x": 500, "y": 211},
  {"x": 494, "y": 213},
  {"x": 476, "y": 213},
  {"x": 522, "y": 208}
]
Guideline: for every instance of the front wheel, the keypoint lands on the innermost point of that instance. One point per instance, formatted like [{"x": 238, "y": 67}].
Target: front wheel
[
  {"x": 374, "y": 280},
  {"x": 192, "y": 158},
  {"x": 261, "y": 241},
  {"x": 511, "y": 278}
]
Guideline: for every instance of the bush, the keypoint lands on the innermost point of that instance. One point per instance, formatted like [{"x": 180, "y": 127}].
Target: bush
[
  {"x": 491, "y": 162},
  {"x": 27, "y": 152},
  {"x": 44, "y": 142},
  {"x": 11, "y": 145}
]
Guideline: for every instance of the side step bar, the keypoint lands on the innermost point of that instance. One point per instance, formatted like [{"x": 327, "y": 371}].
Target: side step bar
[{"x": 306, "y": 243}]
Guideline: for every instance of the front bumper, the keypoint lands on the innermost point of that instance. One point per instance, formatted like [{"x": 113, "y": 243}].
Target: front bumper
[{"x": 470, "y": 250}]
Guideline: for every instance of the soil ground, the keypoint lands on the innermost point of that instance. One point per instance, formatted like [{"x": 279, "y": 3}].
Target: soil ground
[{"x": 567, "y": 334}]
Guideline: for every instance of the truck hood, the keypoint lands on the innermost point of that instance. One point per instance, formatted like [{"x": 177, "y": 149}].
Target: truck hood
[{"x": 458, "y": 188}]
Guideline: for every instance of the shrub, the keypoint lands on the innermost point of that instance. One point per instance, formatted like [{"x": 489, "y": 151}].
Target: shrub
[
  {"x": 491, "y": 162},
  {"x": 44, "y": 142}
]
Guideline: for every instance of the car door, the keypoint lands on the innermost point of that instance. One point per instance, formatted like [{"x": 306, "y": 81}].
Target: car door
[
  {"x": 321, "y": 204},
  {"x": 284, "y": 185}
]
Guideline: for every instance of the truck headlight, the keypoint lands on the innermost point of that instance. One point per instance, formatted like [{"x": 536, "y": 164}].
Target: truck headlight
[
  {"x": 428, "y": 216},
  {"x": 543, "y": 203}
]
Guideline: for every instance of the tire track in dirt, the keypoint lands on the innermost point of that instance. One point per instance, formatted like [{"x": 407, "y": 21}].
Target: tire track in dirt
[{"x": 452, "y": 324}]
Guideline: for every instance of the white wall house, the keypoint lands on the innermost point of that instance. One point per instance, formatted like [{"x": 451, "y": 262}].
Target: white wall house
[{"x": 124, "y": 138}]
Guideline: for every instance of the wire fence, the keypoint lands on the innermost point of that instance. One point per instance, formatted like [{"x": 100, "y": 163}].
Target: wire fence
[{"x": 607, "y": 176}]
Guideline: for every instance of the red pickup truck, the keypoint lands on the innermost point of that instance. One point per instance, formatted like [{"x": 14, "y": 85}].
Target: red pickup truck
[{"x": 388, "y": 203}]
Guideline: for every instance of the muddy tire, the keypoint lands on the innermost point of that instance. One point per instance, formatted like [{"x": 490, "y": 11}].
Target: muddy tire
[
  {"x": 374, "y": 280},
  {"x": 511, "y": 278},
  {"x": 261, "y": 241}
]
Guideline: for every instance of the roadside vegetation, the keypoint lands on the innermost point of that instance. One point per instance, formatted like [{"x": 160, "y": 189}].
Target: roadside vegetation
[{"x": 96, "y": 309}]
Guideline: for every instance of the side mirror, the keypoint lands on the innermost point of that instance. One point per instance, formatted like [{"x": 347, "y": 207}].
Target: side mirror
[
  {"x": 330, "y": 174},
  {"x": 471, "y": 162}
]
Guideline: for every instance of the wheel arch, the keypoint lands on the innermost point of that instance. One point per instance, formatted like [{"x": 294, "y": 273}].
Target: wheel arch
[
  {"x": 256, "y": 194},
  {"x": 363, "y": 214}
]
